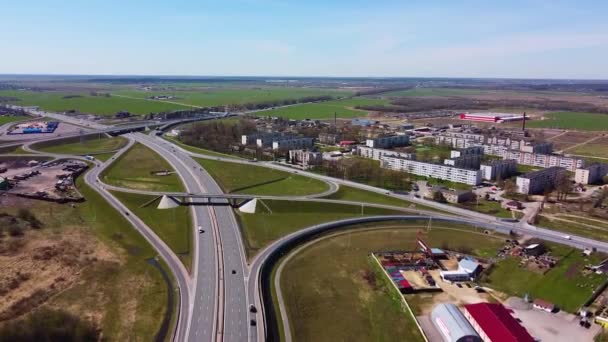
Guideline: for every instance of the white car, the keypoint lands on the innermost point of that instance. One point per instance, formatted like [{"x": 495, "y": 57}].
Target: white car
[
  {"x": 200, "y": 229},
  {"x": 567, "y": 237}
]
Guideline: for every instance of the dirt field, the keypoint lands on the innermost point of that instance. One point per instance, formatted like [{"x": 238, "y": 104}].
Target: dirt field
[
  {"x": 41, "y": 264},
  {"x": 43, "y": 182}
]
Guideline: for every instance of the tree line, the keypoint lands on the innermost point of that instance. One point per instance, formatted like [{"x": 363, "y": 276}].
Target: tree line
[{"x": 217, "y": 135}]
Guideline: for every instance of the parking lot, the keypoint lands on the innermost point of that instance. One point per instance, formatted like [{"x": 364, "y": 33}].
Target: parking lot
[{"x": 554, "y": 327}]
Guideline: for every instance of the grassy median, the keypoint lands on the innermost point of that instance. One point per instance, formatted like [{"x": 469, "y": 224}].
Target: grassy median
[
  {"x": 274, "y": 219},
  {"x": 135, "y": 170},
  {"x": 258, "y": 180},
  {"x": 173, "y": 226},
  {"x": 90, "y": 145}
]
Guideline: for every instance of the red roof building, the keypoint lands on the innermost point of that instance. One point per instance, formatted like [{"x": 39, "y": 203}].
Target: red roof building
[{"x": 494, "y": 323}]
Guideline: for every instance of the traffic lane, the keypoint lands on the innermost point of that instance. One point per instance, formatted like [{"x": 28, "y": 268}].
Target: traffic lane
[
  {"x": 235, "y": 318},
  {"x": 203, "y": 312}
]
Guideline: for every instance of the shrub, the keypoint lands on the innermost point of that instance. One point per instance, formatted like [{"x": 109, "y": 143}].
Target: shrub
[{"x": 49, "y": 325}]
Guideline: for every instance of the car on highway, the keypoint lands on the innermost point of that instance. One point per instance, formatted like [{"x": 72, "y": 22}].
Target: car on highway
[
  {"x": 253, "y": 323},
  {"x": 567, "y": 237},
  {"x": 200, "y": 229},
  {"x": 252, "y": 309}
]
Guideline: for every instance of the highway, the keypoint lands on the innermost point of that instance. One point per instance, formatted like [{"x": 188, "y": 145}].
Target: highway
[
  {"x": 223, "y": 256},
  {"x": 215, "y": 298}
]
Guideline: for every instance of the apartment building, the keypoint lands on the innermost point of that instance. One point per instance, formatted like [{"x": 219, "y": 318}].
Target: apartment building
[
  {"x": 329, "y": 138},
  {"x": 545, "y": 160},
  {"x": 592, "y": 174},
  {"x": 305, "y": 158},
  {"x": 537, "y": 182},
  {"x": 388, "y": 141},
  {"x": 499, "y": 169},
  {"x": 470, "y": 161},
  {"x": 467, "y": 151},
  {"x": 439, "y": 171},
  {"x": 377, "y": 153},
  {"x": 293, "y": 143}
]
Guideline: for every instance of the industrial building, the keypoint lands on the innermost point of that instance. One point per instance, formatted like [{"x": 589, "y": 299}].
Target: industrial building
[
  {"x": 491, "y": 117},
  {"x": 537, "y": 182},
  {"x": 305, "y": 158},
  {"x": 377, "y": 153},
  {"x": 452, "y": 324},
  {"x": 499, "y": 169},
  {"x": 467, "y": 270},
  {"x": 451, "y": 196},
  {"x": 388, "y": 141},
  {"x": 592, "y": 174},
  {"x": 494, "y": 323},
  {"x": 439, "y": 171}
]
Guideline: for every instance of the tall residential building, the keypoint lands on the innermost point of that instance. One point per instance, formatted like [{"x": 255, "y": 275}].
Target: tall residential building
[
  {"x": 591, "y": 174},
  {"x": 439, "y": 171},
  {"x": 293, "y": 143},
  {"x": 545, "y": 160},
  {"x": 537, "y": 182},
  {"x": 388, "y": 141},
  {"x": 377, "y": 153},
  {"x": 499, "y": 169}
]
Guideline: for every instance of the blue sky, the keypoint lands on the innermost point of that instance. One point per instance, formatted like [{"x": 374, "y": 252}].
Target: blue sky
[{"x": 517, "y": 39}]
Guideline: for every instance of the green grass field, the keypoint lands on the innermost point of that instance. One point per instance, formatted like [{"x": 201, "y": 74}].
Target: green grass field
[
  {"x": 595, "y": 149},
  {"x": 124, "y": 295},
  {"x": 4, "y": 119},
  {"x": 133, "y": 170},
  {"x": 487, "y": 207},
  {"x": 572, "y": 120},
  {"x": 173, "y": 226},
  {"x": 324, "y": 110},
  {"x": 92, "y": 145},
  {"x": 225, "y": 96},
  {"x": 564, "y": 285},
  {"x": 333, "y": 278},
  {"x": 101, "y": 105},
  {"x": 251, "y": 179},
  {"x": 286, "y": 217}
]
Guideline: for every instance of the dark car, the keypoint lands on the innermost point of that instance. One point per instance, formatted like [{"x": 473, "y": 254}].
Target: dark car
[
  {"x": 253, "y": 323},
  {"x": 233, "y": 271},
  {"x": 252, "y": 309}
]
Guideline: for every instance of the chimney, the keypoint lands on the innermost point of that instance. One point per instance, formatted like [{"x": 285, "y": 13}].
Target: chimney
[{"x": 523, "y": 125}]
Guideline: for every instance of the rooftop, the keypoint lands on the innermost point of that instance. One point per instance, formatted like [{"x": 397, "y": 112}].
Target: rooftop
[{"x": 497, "y": 323}]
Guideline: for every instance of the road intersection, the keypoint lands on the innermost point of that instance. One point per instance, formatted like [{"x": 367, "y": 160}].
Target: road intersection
[{"x": 215, "y": 299}]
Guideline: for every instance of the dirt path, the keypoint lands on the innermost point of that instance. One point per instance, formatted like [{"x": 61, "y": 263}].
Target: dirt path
[
  {"x": 581, "y": 144},
  {"x": 553, "y": 218},
  {"x": 586, "y": 218}
]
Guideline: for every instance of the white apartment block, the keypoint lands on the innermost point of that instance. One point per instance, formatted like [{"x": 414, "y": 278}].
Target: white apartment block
[
  {"x": 499, "y": 169},
  {"x": 538, "y": 181},
  {"x": 545, "y": 160},
  {"x": 377, "y": 153},
  {"x": 467, "y": 151},
  {"x": 471, "y": 161},
  {"x": 591, "y": 174},
  {"x": 293, "y": 143},
  {"x": 439, "y": 171},
  {"x": 388, "y": 141}
]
